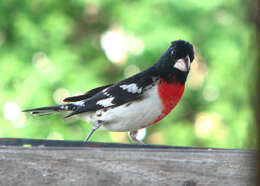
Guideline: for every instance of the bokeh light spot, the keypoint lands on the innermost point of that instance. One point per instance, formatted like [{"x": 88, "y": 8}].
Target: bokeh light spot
[
  {"x": 197, "y": 74},
  {"x": 118, "y": 44},
  {"x": 11, "y": 110},
  {"x": 20, "y": 121},
  {"x": 131, "y": 70},
  {"x": 55, "y": 136},
  {"x": 118, "y": 136},
  {"x": 60, "y": 94},
  {"x": 205, "y": 123},
  {"x": 156, "y": 138},
  {"x": 211, "y": 93},
  {"x": 91, "y": 9},
  {"x": 115, "y": 46},
  {"x": 42, "y": 63},
  {"x": 135, "y": 45}
]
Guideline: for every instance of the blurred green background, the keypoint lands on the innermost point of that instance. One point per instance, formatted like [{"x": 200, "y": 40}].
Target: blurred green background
[{"x": 53, "y": 49}]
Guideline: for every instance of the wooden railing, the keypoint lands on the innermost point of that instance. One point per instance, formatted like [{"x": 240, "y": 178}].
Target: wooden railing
[{"x": 71, "y": 163}]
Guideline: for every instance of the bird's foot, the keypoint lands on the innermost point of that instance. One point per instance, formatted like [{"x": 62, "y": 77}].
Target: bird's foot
[{"x": 133, "y": 137}]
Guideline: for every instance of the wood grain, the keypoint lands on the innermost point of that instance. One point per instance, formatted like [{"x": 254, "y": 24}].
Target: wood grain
[{"x": 123, "y": 166}]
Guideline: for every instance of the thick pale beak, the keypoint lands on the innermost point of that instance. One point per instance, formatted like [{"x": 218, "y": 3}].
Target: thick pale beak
[{"x": 183, "y": 64}]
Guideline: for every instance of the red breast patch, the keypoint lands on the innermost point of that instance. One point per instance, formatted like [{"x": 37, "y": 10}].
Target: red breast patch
[{"x": 170, "y": 94}]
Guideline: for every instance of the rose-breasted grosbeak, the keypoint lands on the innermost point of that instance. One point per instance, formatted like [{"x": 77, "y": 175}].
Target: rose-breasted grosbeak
[{"x": 136, "y": 102}]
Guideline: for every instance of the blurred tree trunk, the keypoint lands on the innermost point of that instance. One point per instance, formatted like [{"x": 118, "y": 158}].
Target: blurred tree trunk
[{"x": 256, "y": 18}]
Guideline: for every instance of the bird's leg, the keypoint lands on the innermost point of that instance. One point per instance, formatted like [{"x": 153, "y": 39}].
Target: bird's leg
[
  {"x": 96, "y": 125},
  {"x": 133, "y": 134}
]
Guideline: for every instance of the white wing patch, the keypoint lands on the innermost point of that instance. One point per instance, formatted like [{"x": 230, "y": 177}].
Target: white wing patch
[
  {"x": 132, "y": 88},
  {"x": 79, "y": 103},
  {"x": 105, "y": 92},
  {"x": 106, "y": 102}
]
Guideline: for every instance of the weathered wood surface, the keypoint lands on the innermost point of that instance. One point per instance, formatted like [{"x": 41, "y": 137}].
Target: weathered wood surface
[{"x": 125, "y": 166}]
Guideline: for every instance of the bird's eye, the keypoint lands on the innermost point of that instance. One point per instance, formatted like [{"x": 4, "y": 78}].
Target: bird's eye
[{"x": 172, "y": 53}]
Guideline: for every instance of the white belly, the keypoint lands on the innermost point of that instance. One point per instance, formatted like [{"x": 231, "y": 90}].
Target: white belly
[{"x": 129, "y": 117}]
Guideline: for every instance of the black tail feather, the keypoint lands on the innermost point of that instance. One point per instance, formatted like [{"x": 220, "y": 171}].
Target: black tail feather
[{"x": 52, "y": 109}]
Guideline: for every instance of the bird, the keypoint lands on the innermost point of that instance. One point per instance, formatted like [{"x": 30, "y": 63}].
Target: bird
[{"x": 135, "y": 102}]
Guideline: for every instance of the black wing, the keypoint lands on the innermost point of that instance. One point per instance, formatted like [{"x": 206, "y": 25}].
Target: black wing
[
  {"x": 128, "y": 90},
  {"x": 86, "y": 95}
]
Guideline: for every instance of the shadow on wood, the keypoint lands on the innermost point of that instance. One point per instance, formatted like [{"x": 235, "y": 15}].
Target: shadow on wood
[{"x": 125, "y": 166}]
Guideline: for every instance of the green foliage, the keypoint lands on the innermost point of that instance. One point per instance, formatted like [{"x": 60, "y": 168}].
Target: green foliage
[{"x": 52, "y": 49}]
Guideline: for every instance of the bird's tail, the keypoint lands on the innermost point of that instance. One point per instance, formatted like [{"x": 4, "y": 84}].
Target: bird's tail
[{"x": 65, "y": 109}]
